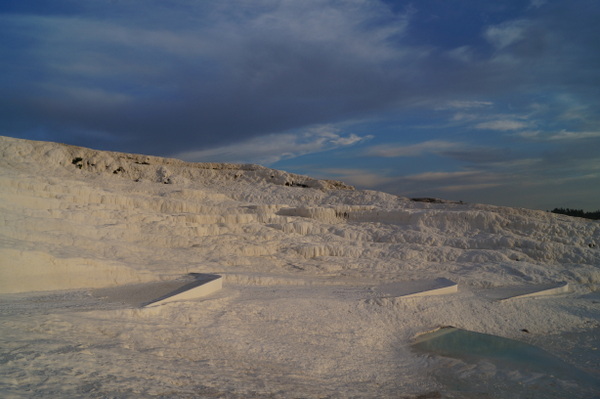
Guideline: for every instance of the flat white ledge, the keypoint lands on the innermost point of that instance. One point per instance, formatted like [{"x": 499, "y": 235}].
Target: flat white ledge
[
  {"x": 193, "y": 286},
  {"x": 527, "y": 291},
  {"x": 416, "y": 288},
  {"x": 201, "y": 286}
]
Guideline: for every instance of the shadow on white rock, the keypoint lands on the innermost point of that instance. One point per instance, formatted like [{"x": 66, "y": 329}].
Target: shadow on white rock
[
  {"x": 415, "y": 288},
  {"x": 192, "y": 286},
  {"x": 526, "y": 291}
]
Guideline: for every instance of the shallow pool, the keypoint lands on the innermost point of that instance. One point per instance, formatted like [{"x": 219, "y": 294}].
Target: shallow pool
[{"x": 471, "y": 364}]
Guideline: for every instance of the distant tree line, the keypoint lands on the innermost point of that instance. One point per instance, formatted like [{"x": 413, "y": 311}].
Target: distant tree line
[{"x": 578, "y": 213}]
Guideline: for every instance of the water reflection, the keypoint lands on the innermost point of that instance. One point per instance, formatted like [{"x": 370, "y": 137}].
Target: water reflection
[{"x": 503, "y": 367}]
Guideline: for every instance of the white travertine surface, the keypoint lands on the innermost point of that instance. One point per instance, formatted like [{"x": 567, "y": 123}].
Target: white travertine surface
[{"x": 301, "y": 312}]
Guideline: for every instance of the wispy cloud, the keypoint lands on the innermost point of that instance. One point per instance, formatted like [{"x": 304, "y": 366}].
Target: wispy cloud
[
  {"x": 537, "y": 3},
  {"x": 507, "y": 33},
  {"x": 464, "y": 54},
  {"x": 469, "y": 187},
  {"x": 441, "y": 176},
  {"x": 458, "y": 181},
  {"x": 464, "y": 104},
  {"x": 272, "y": 148},
  {"x": 439, "y": 184},
  {"x": 413, "y": 150},
  {"x": 562, "y": 135},
  {"x": 502, "y": 125},
  {"x": 358, "y": 177}
]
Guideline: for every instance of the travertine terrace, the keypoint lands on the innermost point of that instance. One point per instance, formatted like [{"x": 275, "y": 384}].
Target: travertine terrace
[{"x": 300, "y": 313}]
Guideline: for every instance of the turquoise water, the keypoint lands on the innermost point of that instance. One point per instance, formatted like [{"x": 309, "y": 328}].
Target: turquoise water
[{"x": 489, "y": 366}]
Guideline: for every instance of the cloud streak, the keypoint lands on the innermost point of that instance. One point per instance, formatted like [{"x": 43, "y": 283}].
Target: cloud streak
[
  {"x": 413, "y": 150},
  {"x": 273, "y": 148},
  {"x": 562, "y": 135},
  {"x": 502, "y": 125}
]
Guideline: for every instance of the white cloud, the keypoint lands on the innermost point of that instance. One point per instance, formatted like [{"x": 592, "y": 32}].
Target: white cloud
[
  {"x": 537, "y": 3},
  {"x": 429, "y": 176},
  {"x": 572, "y": 108},
  {"x": 503, "y": 35},
  {"x": 275, "y": 147},
  {"x": 390, "y": 151},
  {"x": 463, "y": 187},
  {"x": 464, "y": 54},
  {"x": 76, "y": 33},
  {"x": 457, "y": 181},
  {"x": 502, "y": 125},
  {"x": 464, "y": 116},
  {"x": 357, "y": 177},
  {"x": 461, "y": 104},
  {"x": 516, "y": 164},
  {"x": 562, "y": 135},
  {"x": 323, "y": 23},
  {"x": 99, "y": 96}
]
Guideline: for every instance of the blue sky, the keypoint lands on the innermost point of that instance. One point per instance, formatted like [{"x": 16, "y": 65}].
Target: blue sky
[{"x": 482, "y": 101}]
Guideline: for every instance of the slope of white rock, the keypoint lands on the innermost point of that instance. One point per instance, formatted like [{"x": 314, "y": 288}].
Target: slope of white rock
[{"x": 299, "y": 314}]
